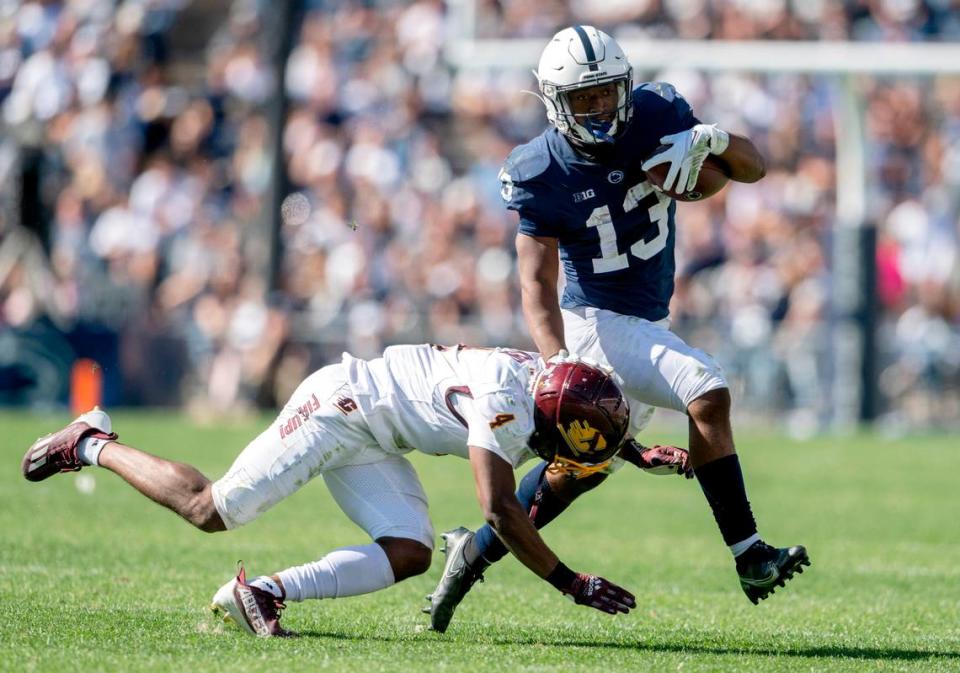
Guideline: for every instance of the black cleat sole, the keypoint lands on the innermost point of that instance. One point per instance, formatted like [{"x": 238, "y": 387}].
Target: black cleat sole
[{"x": 757, "y": 594}]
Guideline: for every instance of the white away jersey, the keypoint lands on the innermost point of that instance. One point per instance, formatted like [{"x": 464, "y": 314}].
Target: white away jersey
[{"x": 442, "y": 399}]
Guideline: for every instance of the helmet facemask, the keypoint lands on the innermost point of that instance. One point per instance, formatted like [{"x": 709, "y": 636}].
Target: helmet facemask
[
  {"x": 580, "y": 419},
  {"x": 588, "y": 128},
  {"x": 550, "y": 445},
  {"x": 578, "y": 58}
]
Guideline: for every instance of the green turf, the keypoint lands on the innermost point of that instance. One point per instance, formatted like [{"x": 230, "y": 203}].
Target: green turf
[{"x": 109, "y": 581}]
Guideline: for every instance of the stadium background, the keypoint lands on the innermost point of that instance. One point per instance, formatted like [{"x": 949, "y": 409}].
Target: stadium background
[{"x": 145, "y": 225}]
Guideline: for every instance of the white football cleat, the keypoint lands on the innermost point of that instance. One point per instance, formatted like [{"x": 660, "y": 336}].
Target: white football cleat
[{"x": 252, "y": 609}]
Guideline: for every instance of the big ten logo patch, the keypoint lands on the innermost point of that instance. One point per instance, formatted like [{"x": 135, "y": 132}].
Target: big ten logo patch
[{"x": 584, "y": 195}]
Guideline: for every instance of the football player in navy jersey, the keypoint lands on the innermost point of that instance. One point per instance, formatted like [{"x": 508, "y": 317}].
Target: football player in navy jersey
[{"x": 586, "y": 206}]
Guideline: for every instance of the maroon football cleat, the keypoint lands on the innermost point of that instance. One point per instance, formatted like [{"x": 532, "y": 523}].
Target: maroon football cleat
[
  {"x": 252, "y": 609},
  {"x": 57, "y": 452}
]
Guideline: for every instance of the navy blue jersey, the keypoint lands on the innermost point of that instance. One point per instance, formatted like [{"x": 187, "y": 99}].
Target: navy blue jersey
[{"x": 616, "y": 233}]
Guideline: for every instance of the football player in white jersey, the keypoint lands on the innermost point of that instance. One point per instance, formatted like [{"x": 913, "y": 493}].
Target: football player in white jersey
[{"x": 351, "y": 423}]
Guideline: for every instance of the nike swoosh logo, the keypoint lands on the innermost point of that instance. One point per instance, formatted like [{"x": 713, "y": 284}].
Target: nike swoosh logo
[
  {"x": 456, "y": 560},
  {"x": 766, "y": 580}
]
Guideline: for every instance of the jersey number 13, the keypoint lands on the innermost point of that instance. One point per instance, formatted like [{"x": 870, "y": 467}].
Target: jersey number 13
[{"x": 610, "y": 259}]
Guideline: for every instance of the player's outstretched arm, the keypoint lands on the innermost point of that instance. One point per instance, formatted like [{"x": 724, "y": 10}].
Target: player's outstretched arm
[
  {"x": 744, "y": 160},
  {"x": 538, "y": 260},
  {"x": 495, "y": 485}
]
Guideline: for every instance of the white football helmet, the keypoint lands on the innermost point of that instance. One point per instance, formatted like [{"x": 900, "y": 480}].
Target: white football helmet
[{"x": 577, "y": 58}]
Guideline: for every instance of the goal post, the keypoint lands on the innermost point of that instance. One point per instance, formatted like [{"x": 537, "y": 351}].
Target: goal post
[
  {"x": 757, "y": 56},
  {"x": 854, "y": 393}
]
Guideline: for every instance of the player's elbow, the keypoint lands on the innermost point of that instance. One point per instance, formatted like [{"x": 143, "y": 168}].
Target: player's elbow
[
  {"x": 758, "y": 170},
  {"x": 744, "y": 160},
  {"x": 751, "y": 170},
  {"x": 200, "y": 511}
]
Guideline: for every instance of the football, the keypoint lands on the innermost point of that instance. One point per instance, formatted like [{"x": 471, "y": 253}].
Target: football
[{"x": 713, "y": 176}]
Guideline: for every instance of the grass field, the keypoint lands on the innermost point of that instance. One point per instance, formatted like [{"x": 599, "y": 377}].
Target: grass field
[{"x": 106, "y": 580}]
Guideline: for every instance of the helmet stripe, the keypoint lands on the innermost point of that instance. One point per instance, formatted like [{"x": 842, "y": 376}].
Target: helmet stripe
[{"x": 587, "y": 47}]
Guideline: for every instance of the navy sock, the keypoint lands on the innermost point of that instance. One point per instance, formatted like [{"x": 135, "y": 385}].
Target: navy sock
[
  {"x": 722, "y": 483},
  {"x": 537, "y": 498}
]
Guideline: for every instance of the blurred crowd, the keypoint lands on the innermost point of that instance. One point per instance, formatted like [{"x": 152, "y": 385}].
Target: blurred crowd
[
  {"x": 156, "y": 194},
  {"x": 888, "y": 20}
]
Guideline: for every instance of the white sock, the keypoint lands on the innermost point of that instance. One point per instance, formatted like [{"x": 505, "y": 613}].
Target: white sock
[
  {"x": 744, "y": 545},
  {"x": 88, "y": 451},
  {"x": 267, "y": 584},
  {"x": 349, "y": 571}
]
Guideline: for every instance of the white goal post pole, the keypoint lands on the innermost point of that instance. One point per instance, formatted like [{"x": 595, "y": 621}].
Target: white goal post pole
[
  {"x": 757, "y": 56},
  {"x": 854, "y": 392},
  {"x": 852, "y": 249}
]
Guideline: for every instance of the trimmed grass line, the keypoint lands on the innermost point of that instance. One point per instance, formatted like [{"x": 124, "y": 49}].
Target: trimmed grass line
[{"x": 107, "y": 581}]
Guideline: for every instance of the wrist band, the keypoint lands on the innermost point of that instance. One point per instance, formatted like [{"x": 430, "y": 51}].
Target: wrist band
[{"x": 561, "y": 577}]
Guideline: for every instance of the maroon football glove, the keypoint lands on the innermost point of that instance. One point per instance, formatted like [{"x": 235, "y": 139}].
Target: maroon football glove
[
  {"x": 602, "y": 594},
  {"x": 592, "y": 590},
  {"x": 658, "y": 459},
  {"x": 666, "y": 460}
]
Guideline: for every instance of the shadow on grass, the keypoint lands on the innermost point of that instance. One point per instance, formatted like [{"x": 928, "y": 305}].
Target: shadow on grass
[{"x": 825, "y": 651}]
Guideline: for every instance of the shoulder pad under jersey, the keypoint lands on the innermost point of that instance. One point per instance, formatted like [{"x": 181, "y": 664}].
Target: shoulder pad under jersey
[
  {"x": 528, "y": 161},
  {"x": 660, "y": 102},
  {"x": 665, "y": 90}
]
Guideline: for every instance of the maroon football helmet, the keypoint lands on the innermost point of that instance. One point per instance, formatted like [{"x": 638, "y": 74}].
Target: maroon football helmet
[{"x": 580, "y": 418}]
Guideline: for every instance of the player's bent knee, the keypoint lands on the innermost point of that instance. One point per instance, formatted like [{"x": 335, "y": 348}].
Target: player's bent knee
[
  {"x": 239, "y": 498},
  {"x": 202, "y": 513},
  {"x": 711, "y": 407},
  {"x": 407, "y": 557}
]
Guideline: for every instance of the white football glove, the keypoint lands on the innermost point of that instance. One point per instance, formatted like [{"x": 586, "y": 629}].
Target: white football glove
[
  {"x": 561, "y": 356},
  {"x": 686, "y": 153}
]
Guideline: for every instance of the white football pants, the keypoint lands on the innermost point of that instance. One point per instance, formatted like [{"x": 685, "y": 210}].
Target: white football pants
[
  {"x": 320, "y": 431},
  {"x": 654, "y": 366}
]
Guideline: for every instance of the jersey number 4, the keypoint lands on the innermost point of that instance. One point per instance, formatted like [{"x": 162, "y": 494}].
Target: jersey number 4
[{"x": 610, "y": 259}]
